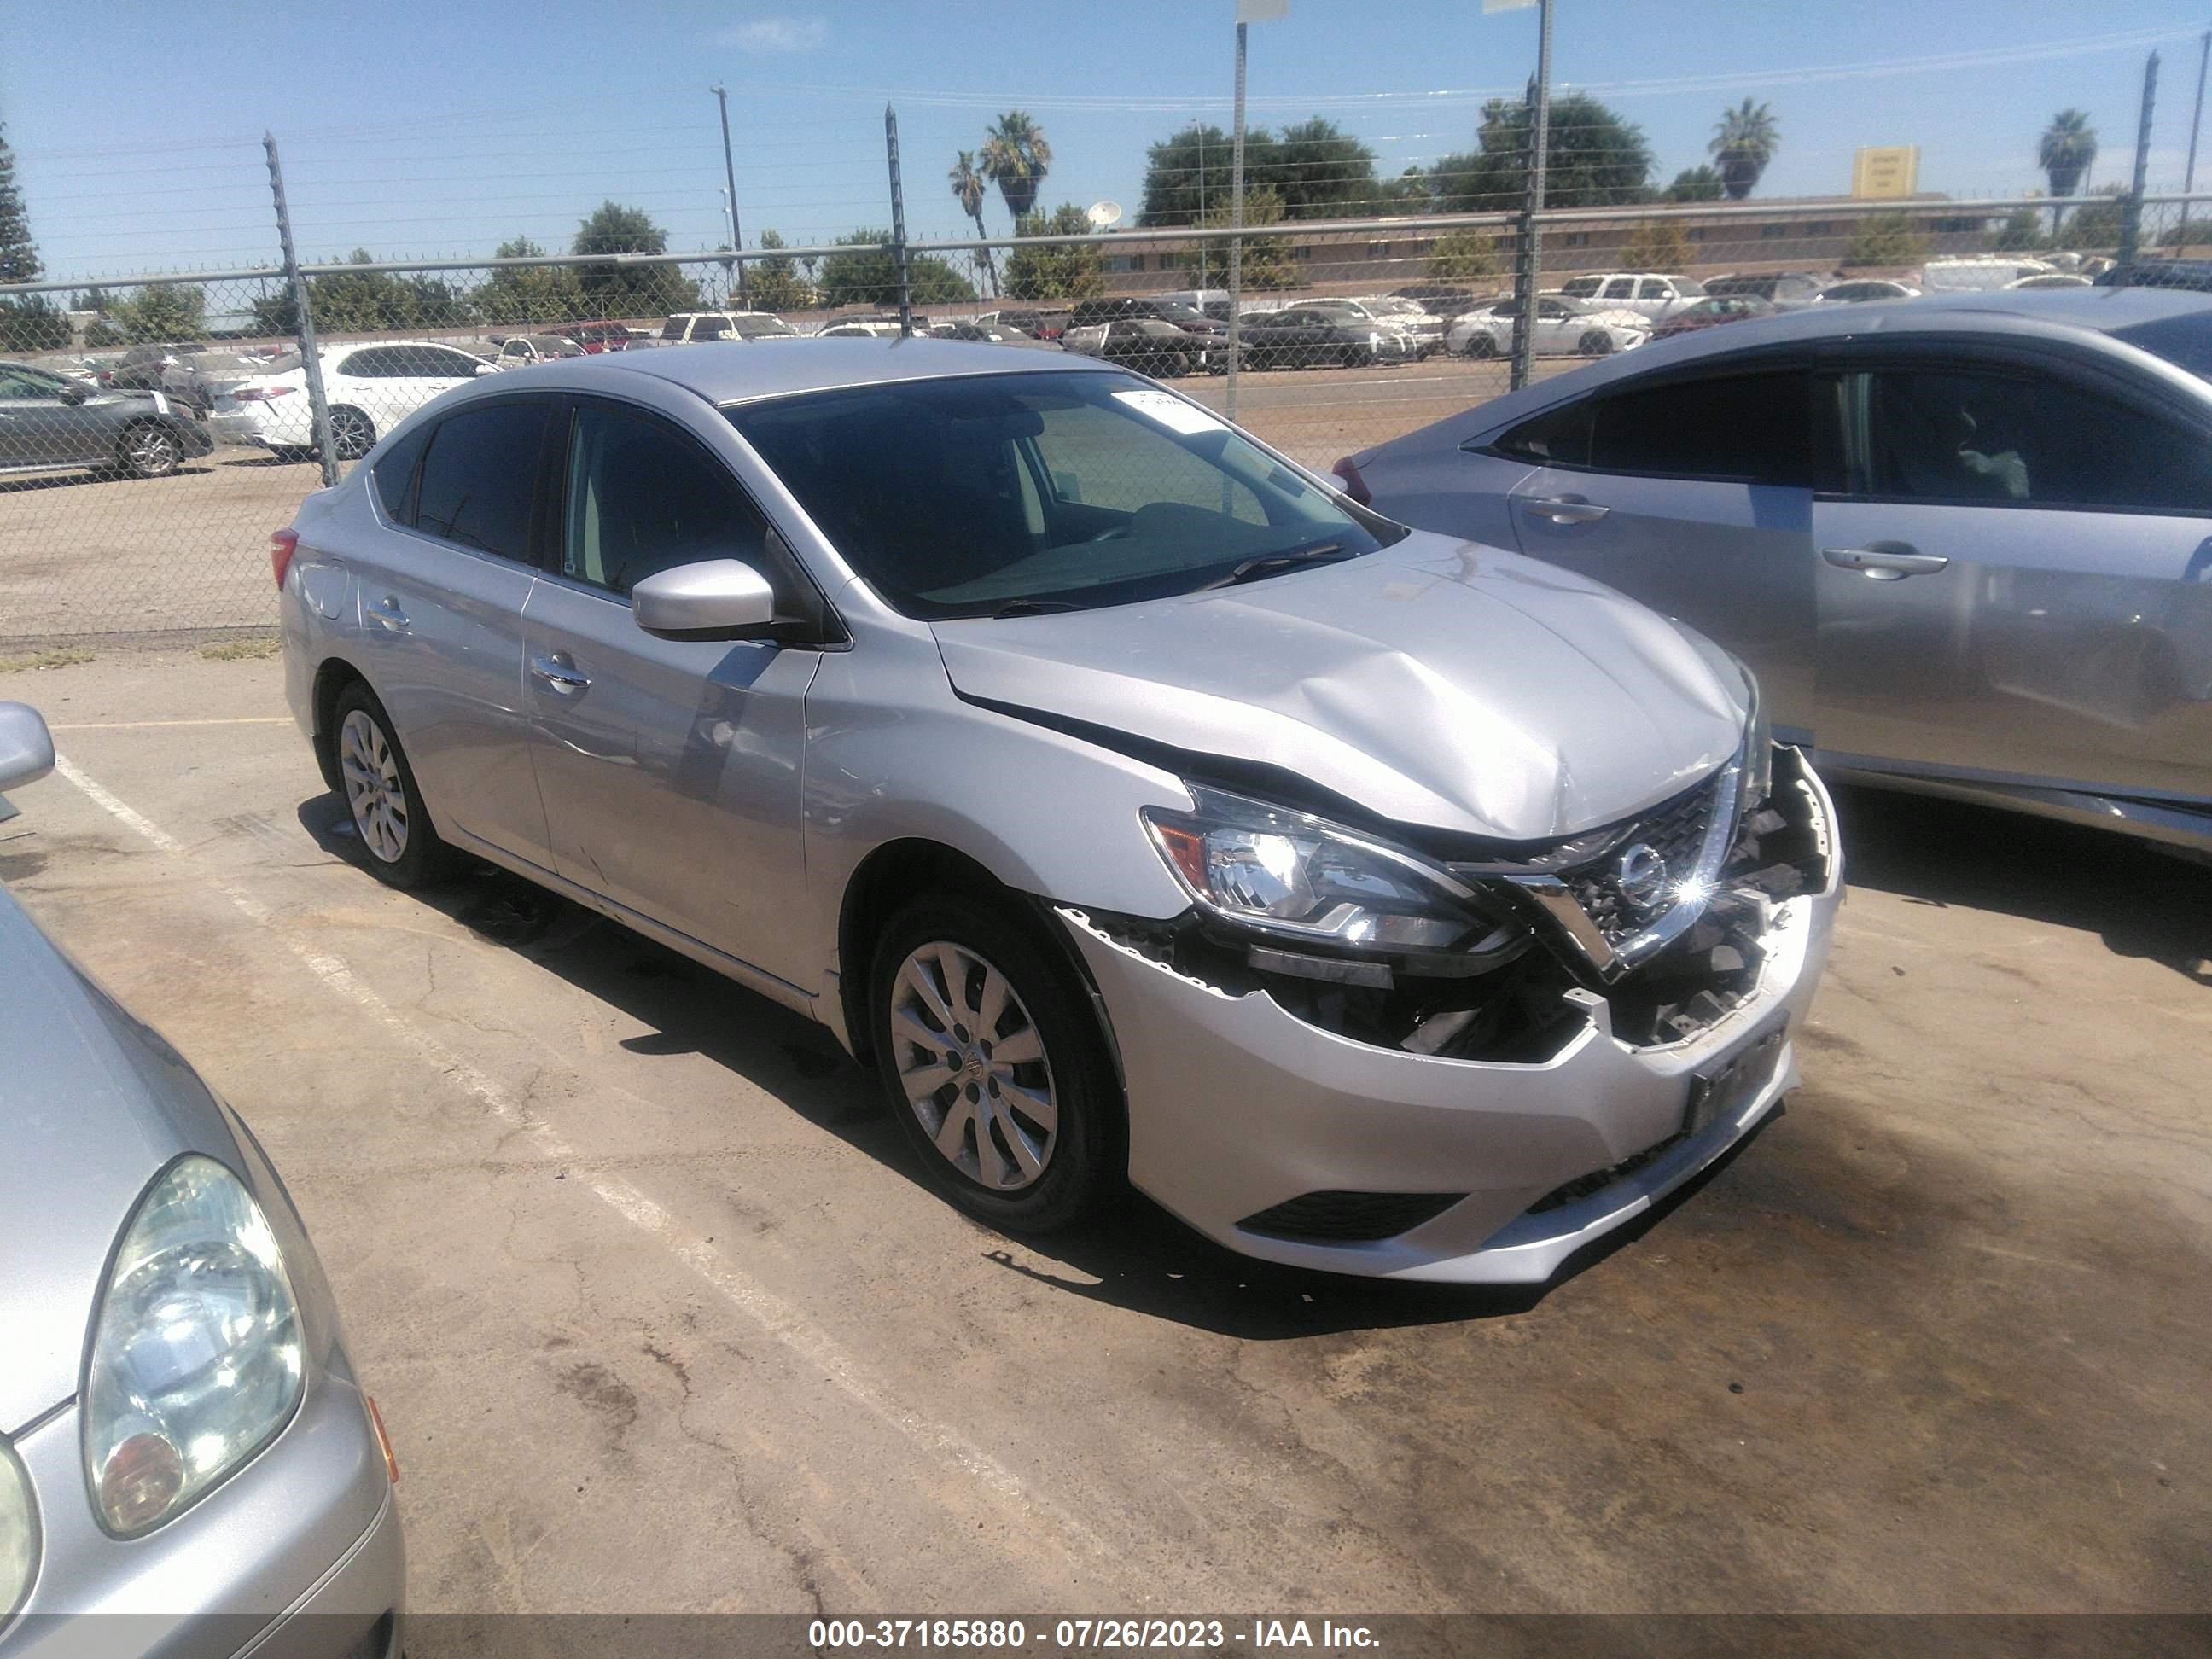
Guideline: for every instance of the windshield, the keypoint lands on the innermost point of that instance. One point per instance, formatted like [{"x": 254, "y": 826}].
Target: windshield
[
  {"x": 761, "y": 328},
  {"x": 1581, "y": 288},
  {"x": 1179, "y": 313},
  {"x": 1049, "y": 491}
]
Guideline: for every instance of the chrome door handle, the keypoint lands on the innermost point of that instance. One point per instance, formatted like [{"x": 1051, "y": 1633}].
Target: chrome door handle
[
  {"x": 1565, "y": 509},
  {"x": 389, "y": 613},
  {"x": 1883, "y": 564},
  {"x": 560, "y": 675}
]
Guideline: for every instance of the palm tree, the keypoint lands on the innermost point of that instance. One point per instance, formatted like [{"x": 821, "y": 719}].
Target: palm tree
[
  {"x": 1016, "y": 157},
  {"x": 1743, "y": 144},
  {"x": 970, "y": 187},
  {"x": 2069, "y": 146}
]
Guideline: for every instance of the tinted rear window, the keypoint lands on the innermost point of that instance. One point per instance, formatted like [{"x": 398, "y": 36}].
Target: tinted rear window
[
  {"x": 480, "y": 476},
  {"x": 1753, "y": 426}
]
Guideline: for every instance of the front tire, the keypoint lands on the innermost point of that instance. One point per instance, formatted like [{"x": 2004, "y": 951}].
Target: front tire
[
  {"x": 994, "y": 1066},
  {"x": 402, "y": 847},
  {"x": 1480, "y": 346},
  {"x": 1596, "y": 343}
]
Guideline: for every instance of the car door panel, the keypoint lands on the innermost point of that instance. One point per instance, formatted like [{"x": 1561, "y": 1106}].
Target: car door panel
[
  {"x": 672, "y": 777},
  {"x": 440, "y": 630},
  {"x": 1999, "y": 596},
  {"x": 38, "y": 429}
]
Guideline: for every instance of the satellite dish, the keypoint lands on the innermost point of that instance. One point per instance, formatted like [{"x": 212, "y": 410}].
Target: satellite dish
[{"x": 1103, "y": 214}]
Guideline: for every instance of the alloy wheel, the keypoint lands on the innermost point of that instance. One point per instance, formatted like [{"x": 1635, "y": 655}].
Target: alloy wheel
[
  {"x": 972, "y": 1065},
  {"x": 351, "y": 435},
  {"x": 373, "y": 787},
  {"x": 150, "y": 452}
]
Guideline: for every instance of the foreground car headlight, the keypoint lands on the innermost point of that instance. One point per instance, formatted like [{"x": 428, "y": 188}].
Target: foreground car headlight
[
  {"x": 19, "y": 1533},
  {"x": 1300, "y": 878},
  {"x": 197, "y": 1355}
]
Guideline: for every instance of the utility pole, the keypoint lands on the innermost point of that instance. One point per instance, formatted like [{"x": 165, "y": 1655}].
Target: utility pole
[
  {"x": 1202, "y": 214},
  {"x": 1527, "y": 272},
  {"x": 730, "y": 177},
  {"x": 2196, "y": 120},
  {"x": 2131, "y": 219}
]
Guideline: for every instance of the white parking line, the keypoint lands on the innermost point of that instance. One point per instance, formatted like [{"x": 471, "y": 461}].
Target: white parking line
[{"x": 774, "y": 1316}]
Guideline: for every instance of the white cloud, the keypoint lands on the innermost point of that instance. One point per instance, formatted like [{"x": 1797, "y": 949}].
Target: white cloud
[{"x": 775, "y": 34}]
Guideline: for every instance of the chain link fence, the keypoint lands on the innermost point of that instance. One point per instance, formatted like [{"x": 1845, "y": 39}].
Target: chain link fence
[{"x": 156, "y": 429}]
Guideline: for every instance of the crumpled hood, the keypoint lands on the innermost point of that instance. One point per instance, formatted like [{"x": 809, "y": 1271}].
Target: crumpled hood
[
  {"x": 92, "y": 1104},
  {"x": 1436, "y": 683}
]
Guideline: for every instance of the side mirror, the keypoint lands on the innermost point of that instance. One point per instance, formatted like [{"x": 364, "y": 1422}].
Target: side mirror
[
  {"x": 487, "y": 368},
  {"x": 713, "y": 600},
  {"x": 27, "y": 748},
  {"x": 72, "y": 394}
]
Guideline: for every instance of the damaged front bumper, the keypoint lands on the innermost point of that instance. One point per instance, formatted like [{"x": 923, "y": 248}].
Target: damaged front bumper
[{"x": 1282, "y": 1139}]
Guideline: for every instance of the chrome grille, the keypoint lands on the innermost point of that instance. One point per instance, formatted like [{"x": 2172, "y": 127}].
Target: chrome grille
[{"x": 1675, "y": 832}]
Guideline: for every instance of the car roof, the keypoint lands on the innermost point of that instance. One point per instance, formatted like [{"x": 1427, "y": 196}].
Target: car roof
[
  {"x": 774, "y": 368},
  {"x": 2050, "y": 313}
]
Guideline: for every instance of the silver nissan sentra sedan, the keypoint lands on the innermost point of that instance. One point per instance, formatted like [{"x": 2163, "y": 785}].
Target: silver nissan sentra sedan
[
  {"x": 1139, "y": 807},
  {"x": 188, "y": 1465}
]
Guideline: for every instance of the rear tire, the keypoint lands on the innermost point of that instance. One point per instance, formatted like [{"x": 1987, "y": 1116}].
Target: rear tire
[
  {"x": 148, "y": 451},
  {"x": 401, "y": 845},
  {"x": 1596, "y": 344},
  {"x": 1480, "y": 346},
  {"x": 353, "y": 434},
  {"x": 994, "y": 1065}
]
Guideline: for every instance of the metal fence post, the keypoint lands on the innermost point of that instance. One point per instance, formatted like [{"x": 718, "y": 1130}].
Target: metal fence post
[
  {"x": 898, "y": 224},
  {"x": 1529, "y": 267},
  {"x": 2131, "y": 216},
  {"x": 1235, "y": 243},
  {"x": 318, "y": 405}
]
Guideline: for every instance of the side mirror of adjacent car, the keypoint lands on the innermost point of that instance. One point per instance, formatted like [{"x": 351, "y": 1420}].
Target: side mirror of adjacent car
[
  {"x": 713, "y": 600},
  {"x": 72, "y": 394},
  {"x": 487, "y": 368},
  {"x": 27, "y": 748}
]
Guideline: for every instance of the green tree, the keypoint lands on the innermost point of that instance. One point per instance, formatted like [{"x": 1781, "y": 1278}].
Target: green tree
[
  {"x": 1697, "y": 184},
  {"x": 530, "y": 294},
  {"x": 863, "y": 272},
  {"x": 971, "y": 188},
  {"x": 1186, "y": 173},
  {"x": 613, "y": 290},
  {"x": 1887, "y": 238},
  {"x": 1744, "y": 142},
  {"x": 1657, "y": 245},
  {"x": 1406, "y": 194},
  {"x": 776, "y": 282},
  {"x": 161, "y": 313},
  {"x": 101, "y": 333},
  {"x": 2065, "y": 152},
  {"x": 33, "y": 323},
  {"x": 1318, "y": 171},
  {"x": 1593, "y": 158},
  {"x": 19, "y": 254},
  {"x": 94, "y": 299},
  {"x": 1268, "y": 261},
  {"x": 1071, "y": 272},
  {"x": 1016, "y": 157},
  {"x": 1463, "y": 256},
  {"x": 2021, "y": 232},
  {"x": 2095, "y": 224}
]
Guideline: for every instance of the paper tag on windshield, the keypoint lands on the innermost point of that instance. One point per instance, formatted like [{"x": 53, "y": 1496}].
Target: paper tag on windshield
[{"x": 1171, "y": 411}]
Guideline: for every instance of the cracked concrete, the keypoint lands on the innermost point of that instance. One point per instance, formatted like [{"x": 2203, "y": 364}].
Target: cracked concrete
[{"x": 1932, "y": 1341}]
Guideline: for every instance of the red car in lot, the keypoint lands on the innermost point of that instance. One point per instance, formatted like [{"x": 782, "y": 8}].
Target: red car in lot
[
  {"x": 1706, "y": 314},
  {"x": 594, "y": 338}
]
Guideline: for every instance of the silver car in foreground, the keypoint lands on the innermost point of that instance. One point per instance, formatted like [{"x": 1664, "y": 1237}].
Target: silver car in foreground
[
  {"x": 1137, "y": 807},
  {"x": 182, "y": 1437},
  {"x": 1964, "y": 542}
]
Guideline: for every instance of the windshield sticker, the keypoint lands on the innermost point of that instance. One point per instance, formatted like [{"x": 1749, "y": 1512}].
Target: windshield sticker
[{"x": 1171, "y": 411}]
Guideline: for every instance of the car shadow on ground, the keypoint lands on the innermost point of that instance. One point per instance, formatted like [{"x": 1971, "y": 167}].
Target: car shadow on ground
[
  {"x": 30, "y": 481},
  {"x": 1136, "y": 1255},
  {"x": 2142, "y": 900}
]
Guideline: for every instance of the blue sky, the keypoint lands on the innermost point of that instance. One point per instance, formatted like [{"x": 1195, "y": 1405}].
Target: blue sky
[{"x": 419, "y": 128}]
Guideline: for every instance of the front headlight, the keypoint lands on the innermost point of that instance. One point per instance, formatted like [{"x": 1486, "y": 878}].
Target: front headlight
[
  {"x": 19, "y": 1533},
  {"x": 1301, "y": 878},
  {"x": 196, "y": 1355}
]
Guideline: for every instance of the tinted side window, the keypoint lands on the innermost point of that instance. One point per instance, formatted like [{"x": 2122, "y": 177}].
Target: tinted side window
[
  {"x": 1944, "y": 435},
  {"x": 1560, "y": 435},
  {"x": 710, "y": 328},
  {"x": 1753, "y": 426},
  {"x": 480, "y": 476},
  {"x": 370, "y": 365},
  {"x": 644, "y": 498},
  {"x": 395, "y": 470},
  {"x": 1620, "y": 288}
]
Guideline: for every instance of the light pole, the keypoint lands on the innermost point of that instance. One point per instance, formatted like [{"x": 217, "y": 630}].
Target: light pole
[
  {"x": 729, "y": 175},
  {"x": 2196, "y": 120},
  {"x": 1247, "y": 11}
]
